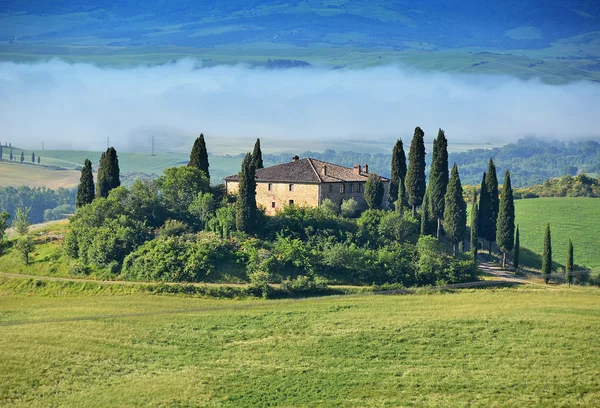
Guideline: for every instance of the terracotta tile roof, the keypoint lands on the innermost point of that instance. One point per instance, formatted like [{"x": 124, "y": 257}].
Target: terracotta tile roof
[{"x": 306, "y": 170}]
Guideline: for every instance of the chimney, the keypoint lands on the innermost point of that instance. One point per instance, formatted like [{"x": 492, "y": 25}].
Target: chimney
[
  {"x": 295, "y": 158},
  {"x": 324, "y": 170},
  {"x": 366, "y": 169},
  {"x": 356, "y": 169}
]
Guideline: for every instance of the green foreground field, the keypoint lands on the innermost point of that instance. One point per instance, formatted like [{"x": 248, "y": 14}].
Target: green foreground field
[{"x": 507, "y": 347}]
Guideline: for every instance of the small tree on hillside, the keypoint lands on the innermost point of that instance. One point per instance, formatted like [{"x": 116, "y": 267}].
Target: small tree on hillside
[
  {"x": 474, "y": 226},
  {"x": 246, "y": 203},
  {"x": 398, "y": 173},
  {"x": 547, "y": 255},
  {"x": 11, "y": 155},
  {"x": 199, "y": 155},
  {"x": 22, "y": 157},
  {"x": 569, "y": 265},
  {"x": 33, "y": 157},
  {"x": 21, "y": 223},
  {"x": 374, "y": 191},
  {"x": 505, "y": 225},
  {"x": 38, "y": 159},
  {"x": 257, "y": 156},
  {"x": 1, "y": 153},
  {"x": 415, "y": 175},
  {"x": 517, "y": 249},
  {"x": 25, "y": 246},
  {"x": 455, "y": 214},
  {"x": 86, "y": 191}
]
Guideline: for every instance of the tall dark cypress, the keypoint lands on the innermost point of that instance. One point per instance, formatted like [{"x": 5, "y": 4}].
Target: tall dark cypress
[
  {"x": 570, "y": 264},
  {"x": 425, "y": 216},
  {"x": 108, "y": 172},
  {"x": 246, "y": 203},
  {"x": 415, "y": 175},
  {"x": 505, "y": 224},
  {"x": 85, "y": 191},
  {"x": 484, "y": 209},
  {"x": 547, "y": 255},
  {"x": 374, "y": 191},
  {"x": 33, "y": 157},
  {"x": 455, "y": 213},
  {"x": 398, "y": 173},
  {"x": 516, "y": 257},
  {"x": 491, "y": 182},
  {"x": 401, "y": 203},
  {"x": 199, "y": 155},
  {"x": 257, "y": 156},
  {"x": 11, "y": 155},
  {"x": 474, "y": 226},
  {"x": 438, "y": 178},
  {"x": 1, "y": 153},
  {"x": 22, "y": 157}
]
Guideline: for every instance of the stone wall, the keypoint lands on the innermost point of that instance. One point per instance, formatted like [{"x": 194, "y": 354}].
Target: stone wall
[{"x": 274, "y": 196}]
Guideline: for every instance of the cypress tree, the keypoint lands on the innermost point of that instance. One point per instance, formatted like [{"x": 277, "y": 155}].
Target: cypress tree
[
  {"x": 108, "y": 172},
  {"x": 474, "y": 226},
  {"x": 425, "y": 216},
  {"x": 517, "y": 250},
  {"x": 398, "y": 173},
  {"x": 199, "y": 155},
  {"x": 415, "y": 175},
  {"x": 438, "y": 178},
  {"x": 401, "y": 204},
  {"x": 33, "y": 157},
  {"x": 547, "y": 255},
  {"x": 38, "y": 159},
  {"x": 11, "y": 155},
  {"x": 1, "y": 153},
  {"x": 257, "y": 156},
  {"x": 246, "y": 202},
  {"x": 374, "y": 191},
  {"x": 569, "y": 265},
  {"x": 85, "y": 191},
  {"x": 22, "y": 157},
  {"x": 505, "y": 225},
  {"x": 455, "y": 213},
  {"x": 484, "y": 209},
  {"x": 491, "y": 182}
]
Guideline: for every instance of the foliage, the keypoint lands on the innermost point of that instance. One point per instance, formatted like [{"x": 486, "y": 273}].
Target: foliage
[
  {"x": 328, "y": 207},
  {"x": 108, "y": 173},
  {"x": 4, "y": 216},
  {"x": 438, "y": 176},
  {"x": 199, "y": 156},
  {"x": 38, "y": 199},
  {"x": 547, "y": 255},
  {"x": 398, "y": 227},
  {"x": 174, "y": 228},
  {"x": 246, "y": 203},
  {"x": 398, "y": 171},
  {"x": 484, "y": 209},
  {"x": 568, "y": 186},
  {"x": 203, "y": 209},
  {"x": 491, "y": 183},
  {"x": 349, "y": 208},
  {"x": 415, "y": 175},
  {"x": 86, "y": 191},
  {"x": 179, "y": 187},
  {"x": 59, "y": 213},
  {"x": 474, "y": 234},
  {"x": 436, "y": 266},
  {"x": 505, "y": 226},
  {"x": 257, "y": 156},
  {"x": 569, "y": 264},
  {"x": 426, "y": 227},
  {"x": 374, "y": 191},
  {"x": 25, "y": 246},
  {"x": 517, "y": 251},
  {"x": 21, "y": 222},
  {"x": 455, "y": 213}
]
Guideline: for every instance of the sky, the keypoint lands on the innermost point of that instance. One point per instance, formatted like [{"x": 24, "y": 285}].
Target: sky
[{"x": 77, "y": 106}]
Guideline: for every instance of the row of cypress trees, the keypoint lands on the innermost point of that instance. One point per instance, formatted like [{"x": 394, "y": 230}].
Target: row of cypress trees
[{"x": 12, "y": 157}]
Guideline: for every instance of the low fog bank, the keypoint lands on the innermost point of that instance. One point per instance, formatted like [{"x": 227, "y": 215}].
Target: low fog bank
[{"x": 77, "y": 106}]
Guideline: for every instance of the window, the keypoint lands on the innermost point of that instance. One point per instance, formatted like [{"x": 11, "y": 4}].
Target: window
[
  {"x": 342, "y": 188},
  {"x": 291, "y": 202},
  {"x": 331, "y": 188},
  {"x": 358, "y": 188},
  {"x": 350, "y": 188},
  {"x": 272, "y": 204},
  {"x": 270, "y": 186},
  {"x": 291, "y": 187}
]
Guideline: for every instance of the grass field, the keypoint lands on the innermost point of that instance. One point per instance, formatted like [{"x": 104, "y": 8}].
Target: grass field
[
  {"x": 16, "y": 174},
  {"x": 508, "y": 347},
  {"x": 575, "y": 218}
]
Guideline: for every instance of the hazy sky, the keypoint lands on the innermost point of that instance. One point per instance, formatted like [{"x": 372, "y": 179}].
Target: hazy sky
[{"x": 78, "y": 106}]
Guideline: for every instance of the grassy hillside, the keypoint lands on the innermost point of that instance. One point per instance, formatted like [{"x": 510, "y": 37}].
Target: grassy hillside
[
  {"x": 510, "y": 347},
  {"x": 575, "y": 218},
  {"x": 33, "y": 175}
]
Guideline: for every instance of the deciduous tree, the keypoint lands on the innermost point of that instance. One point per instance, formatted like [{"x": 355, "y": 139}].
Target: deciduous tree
[{"x": 374, "y": 191}]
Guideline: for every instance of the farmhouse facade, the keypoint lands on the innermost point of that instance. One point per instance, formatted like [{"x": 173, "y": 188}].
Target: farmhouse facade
[{"x": 307, "y": 182}]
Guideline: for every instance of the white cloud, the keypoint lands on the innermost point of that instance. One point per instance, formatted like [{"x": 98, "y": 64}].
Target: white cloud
[{"x": 79, "y": 105}]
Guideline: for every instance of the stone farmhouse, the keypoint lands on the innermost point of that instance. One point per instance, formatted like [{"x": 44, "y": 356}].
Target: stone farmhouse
[{"x": 307, "y": 182}]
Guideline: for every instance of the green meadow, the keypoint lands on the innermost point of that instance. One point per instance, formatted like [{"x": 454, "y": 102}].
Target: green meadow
[
  {"x": 503, "y": 347},
  {"x": 577, "y": 218}
]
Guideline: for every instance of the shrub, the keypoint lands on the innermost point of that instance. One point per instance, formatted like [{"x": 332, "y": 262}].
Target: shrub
[
  {"x": 25, "y": 246},
  {"x": 350, "y": 208}
]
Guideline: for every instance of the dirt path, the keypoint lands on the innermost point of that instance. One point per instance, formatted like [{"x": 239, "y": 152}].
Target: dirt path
[{"x": 505, "y": 276}]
